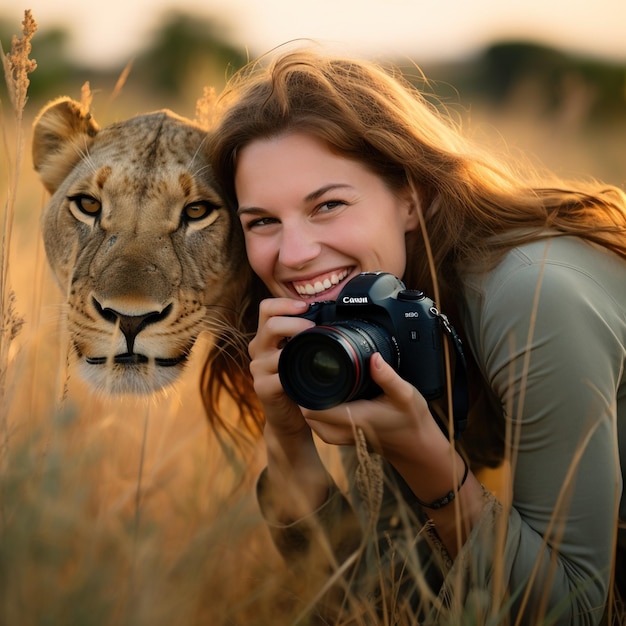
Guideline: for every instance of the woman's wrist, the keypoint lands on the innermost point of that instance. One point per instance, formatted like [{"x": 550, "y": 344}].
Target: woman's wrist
[
  {"x": 289, "y": 446},
  {"x": 448, "y": 497},
  {"x": 299, "y": 479},
  {"x": 430, "y": 465}
]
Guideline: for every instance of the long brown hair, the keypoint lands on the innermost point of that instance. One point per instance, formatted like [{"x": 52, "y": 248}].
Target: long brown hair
[{"x": 475, "y": 207}]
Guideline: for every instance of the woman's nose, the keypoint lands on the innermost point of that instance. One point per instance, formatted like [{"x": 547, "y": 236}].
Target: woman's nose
[{"x": 298, "y": 246}]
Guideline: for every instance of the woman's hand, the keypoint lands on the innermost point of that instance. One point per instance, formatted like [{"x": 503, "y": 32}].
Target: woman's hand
[
  {"x": 276, "y": 324},
  {"x": 394, "y": 423},
  {"x": 298, "y": 478},
  {"x": 398, "y": 424}
]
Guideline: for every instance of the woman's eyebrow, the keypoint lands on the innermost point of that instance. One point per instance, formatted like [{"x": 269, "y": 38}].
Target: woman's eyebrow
[
  {"x": 250, "y": 210},
  {"x": 314, "y": 195}
]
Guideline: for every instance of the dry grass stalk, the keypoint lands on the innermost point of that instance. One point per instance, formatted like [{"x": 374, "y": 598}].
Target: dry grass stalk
[
  {"x": 17, "y": 65},
  {"x": 205, "y": 108},
  {"x": 86, "y": 96},
  {"x": 121, "y": 81}
]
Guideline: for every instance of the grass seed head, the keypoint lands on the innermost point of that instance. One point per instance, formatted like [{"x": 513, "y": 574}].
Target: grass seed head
[{"x": 18, "y": 65}]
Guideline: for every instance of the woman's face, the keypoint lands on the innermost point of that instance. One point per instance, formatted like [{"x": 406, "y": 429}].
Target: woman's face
[{"x": 313, "y": 219}]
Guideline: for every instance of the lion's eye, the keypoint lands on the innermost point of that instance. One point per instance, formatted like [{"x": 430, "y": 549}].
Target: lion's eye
[
  {"x": 198, "y": 210},
  {"x": 87, "y": 204}
]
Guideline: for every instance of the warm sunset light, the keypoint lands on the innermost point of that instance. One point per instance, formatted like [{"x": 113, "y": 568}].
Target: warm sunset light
[
  {"x": 105, "y": 32},
  {"x": 312, "y": 312}
]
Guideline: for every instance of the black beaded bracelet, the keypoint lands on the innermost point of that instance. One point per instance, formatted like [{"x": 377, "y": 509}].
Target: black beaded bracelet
[{"x": 449, "y": 497}]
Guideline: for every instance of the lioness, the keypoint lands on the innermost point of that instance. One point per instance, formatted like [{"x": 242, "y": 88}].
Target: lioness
[{"x": 139, "y": 239}]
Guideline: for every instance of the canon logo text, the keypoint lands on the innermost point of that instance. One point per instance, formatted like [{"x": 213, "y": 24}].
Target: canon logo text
[{"x": 351, "y": 300}]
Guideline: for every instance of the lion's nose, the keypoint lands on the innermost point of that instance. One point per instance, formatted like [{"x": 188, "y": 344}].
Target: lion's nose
[{"x": 131, "y": 325}]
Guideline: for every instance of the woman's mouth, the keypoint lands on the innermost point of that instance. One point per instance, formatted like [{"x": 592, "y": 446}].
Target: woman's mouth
[{"x": 319, "y": 284}]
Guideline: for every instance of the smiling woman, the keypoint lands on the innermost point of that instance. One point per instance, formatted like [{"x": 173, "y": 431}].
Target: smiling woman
[
  {"x": 286, "y": 202},
  {"x": 339, "y": 167}
]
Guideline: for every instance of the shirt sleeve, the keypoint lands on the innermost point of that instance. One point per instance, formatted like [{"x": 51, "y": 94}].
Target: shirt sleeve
[
  {"x": 545, "y": 337},
  {"x": 333, "y": 528},
  {"x": 376, "y": 548}
]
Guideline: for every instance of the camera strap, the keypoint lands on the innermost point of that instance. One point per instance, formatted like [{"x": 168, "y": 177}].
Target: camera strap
[{"x": 460, "y": 388}]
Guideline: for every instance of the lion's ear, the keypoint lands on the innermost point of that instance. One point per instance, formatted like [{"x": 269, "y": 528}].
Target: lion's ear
[{"x": 62, "y": 133}]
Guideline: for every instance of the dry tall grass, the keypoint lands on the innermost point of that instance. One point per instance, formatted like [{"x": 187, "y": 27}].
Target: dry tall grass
[
  {"x": 111, "y": 511},
  {"x": 116, "y": 511}
]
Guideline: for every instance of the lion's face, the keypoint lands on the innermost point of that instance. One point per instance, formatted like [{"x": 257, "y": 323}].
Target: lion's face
[{"x": 139, "y": 239}]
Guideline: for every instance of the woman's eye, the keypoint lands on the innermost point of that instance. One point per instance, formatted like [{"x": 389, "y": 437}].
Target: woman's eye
[
  {"x": 331, "y": 205},
  {"x": 87, "y": 204},
  {"x": 260, "y": 221},
  {"x": 198, "y": 210}
]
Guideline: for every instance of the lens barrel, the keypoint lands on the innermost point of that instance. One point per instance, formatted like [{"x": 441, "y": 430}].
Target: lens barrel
[{"x": 324, "y": 366}]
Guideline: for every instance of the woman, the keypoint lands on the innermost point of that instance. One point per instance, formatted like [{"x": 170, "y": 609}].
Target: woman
[{"x": 336, "y": 168}]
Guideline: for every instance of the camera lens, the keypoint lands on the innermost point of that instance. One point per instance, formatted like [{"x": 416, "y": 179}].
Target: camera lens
[{"x": 326, "y": 365}]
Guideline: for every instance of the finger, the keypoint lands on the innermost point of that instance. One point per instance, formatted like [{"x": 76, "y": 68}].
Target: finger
[
  {"x": 286, "y": 326},
  {"x": 335, "y": 434},
  {"x": 391, "y": 383},
  {"x": 339, "y": 415},
  {"x": 344, "y": 432},
  {"x": 272, "y": 307},
  {"x": 276, "y": 324}
]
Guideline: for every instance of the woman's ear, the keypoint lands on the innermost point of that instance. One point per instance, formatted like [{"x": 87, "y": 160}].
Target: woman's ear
[{"x": 413, "y": 208}]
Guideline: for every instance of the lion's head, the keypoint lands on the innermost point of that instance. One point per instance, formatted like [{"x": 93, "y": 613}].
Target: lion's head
[{"x": 139, "y": 239}]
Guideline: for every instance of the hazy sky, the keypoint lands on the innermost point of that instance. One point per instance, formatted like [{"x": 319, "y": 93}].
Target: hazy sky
[{"x": 110, "y": 31}]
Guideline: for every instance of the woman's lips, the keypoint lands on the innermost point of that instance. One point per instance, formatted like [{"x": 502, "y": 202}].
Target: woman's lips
[{"x": 321, "y": 283}]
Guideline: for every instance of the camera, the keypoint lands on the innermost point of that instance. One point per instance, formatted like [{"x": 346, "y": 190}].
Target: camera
[{"x": 329, "y": 363}]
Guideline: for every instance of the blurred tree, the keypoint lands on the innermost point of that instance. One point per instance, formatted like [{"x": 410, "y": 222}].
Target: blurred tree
[
  {"x": 187, "y": 49},
  {"x": 186, "y": 53},
  {"x": 559, "y": 82},
  {"x": 504, "y": 65},
  {"x": 50, "y": 49}
]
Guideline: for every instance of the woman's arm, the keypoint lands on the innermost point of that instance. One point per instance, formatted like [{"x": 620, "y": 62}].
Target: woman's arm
[
  {"x": 297, "y": 479},
  {"x": 550, "y": 336}
]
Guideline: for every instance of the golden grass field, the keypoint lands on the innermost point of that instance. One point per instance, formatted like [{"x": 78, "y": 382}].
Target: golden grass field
[{"x": 128, "y": 511}]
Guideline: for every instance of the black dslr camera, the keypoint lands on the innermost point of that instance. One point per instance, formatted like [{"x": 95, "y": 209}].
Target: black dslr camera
[{"x": 329, "y": 363}]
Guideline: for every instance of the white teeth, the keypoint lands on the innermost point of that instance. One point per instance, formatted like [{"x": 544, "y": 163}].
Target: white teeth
[{"x": 318, "y": 286}]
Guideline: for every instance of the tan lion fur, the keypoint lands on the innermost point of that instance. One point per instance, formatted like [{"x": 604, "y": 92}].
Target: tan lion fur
[{"x": 139, "y": 239}]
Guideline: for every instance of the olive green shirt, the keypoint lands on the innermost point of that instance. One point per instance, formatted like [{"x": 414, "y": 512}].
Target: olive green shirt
[{"x": 547, "y": 327}]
